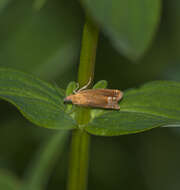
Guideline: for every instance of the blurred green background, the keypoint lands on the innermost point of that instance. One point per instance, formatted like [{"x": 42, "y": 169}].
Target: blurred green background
[{"x": 45, "y": 41}]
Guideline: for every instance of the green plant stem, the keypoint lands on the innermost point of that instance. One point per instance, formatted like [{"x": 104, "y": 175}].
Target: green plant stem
[
  {"x": 88, "y": 53},
  {"x": 79, "y": 160},
  {"x": 78, "y": 167}
]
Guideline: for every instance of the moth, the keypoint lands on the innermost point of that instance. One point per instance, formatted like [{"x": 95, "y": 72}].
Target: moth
[{"x": 96, "y": 98}]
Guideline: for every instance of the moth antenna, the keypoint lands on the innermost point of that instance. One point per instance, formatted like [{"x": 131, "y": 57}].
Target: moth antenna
[
  {"x": 75, "y": 91},
  {"x": 85, "y": 86}
]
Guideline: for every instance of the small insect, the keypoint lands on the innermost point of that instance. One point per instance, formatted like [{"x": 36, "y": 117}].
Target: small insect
[{"x": 96, "y": 98}]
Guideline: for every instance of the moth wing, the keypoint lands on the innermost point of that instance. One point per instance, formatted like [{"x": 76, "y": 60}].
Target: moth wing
[
  {"x": 99, "y": 101},
  {"x": 112, "y": 93},
  {"x": 112, "y": 105},
  {"x": 105, "y": 92}
]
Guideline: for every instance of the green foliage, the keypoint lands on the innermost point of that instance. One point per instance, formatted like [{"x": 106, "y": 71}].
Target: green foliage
[
  {"x": 70, "y": 88},
  {"x": 41, "y": 167},
  {"x": 34, "y": 41},
  {"x": 8, "y": 181},
  {"x": 100, "y": 84},
  {"x": 130, "y": 25},
  {"x": 153, "y": 105},
  {"x": 159, "y": 98},
  {"x": 38, "y": 101},
  {"x": 4, "y": 3},
  {"x": 39, "y": 170},
  {"x": 43, "y": 37},
  {"x": 38, "y": 4}
]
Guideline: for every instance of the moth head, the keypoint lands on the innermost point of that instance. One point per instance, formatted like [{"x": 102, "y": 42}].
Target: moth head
[
  {"x": 68, "y": 100},
  {"x": 76, "y": 99}
]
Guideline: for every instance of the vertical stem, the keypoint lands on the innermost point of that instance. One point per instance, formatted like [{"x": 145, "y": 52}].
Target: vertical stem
[
  {"x": 78, "y": 167},
  {"x": 78, "y": 160},
  {"x": 88, "y": 53}
]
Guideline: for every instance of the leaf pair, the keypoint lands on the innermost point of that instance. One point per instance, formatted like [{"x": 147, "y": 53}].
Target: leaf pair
[{"x": 154, "y": 104}]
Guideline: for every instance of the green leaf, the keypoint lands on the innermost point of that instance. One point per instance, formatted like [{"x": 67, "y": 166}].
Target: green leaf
[
  {"x": 100, "y": 84},
  {"x": 39, "y": 102},
  {"x": 38, "y": 4},
  {"x": 35, "y": 41},
  {"x": 4, "y": 3},
  {"x": 129, "y": 24},
  {"x": 8, "y": 181},
  {"x": 70, "y": 88},
  {"x": 41, "y": 167},
  {"x": 153, "y": 105}
]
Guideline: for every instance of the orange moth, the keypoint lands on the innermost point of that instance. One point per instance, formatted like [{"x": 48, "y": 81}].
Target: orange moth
[{"x": 96, "y": 98}]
